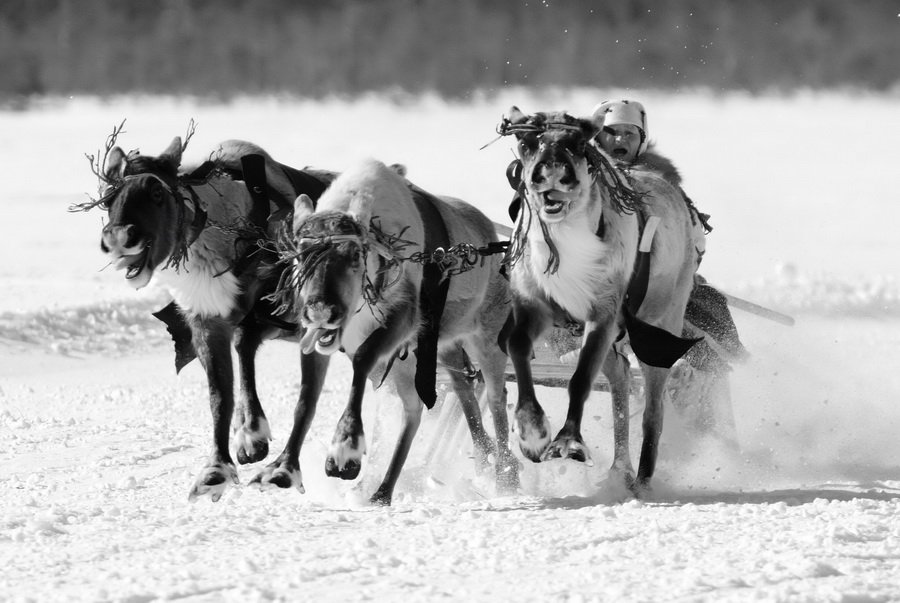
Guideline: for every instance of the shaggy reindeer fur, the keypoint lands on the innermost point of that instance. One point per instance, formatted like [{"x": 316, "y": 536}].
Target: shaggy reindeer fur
[
  {"x": 376, "y": 333},
  {"x": 154, "y": 234},
  {"x": 662, "y": 165},
  {"x": 597, "y": 246}
]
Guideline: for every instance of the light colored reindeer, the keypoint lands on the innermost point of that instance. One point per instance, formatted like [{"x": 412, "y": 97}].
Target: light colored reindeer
[
  {"x": 358, "y": 290},
  {"x": 577, "y": 257}
]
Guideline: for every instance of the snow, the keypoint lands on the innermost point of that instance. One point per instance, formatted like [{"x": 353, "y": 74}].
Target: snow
[{"x": 100, "y": 440}]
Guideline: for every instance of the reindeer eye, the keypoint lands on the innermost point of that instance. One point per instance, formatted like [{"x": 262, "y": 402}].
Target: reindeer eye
[
  {"x": 528, "y": 144},
  {"x": 156, "y": 195}
]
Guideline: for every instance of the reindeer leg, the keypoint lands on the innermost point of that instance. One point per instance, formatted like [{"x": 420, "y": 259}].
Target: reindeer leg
[
  {"x": 568, "y": 443},
  {"x": 454, "y": 358},
  {"x": 212, "y": 340},
  {"x": 348, "y": 445},
  {"x": 403, "y": 378},
  {"x": 493, "y": 366},
  {"x": 654, "y": 382},
  {"x": 618, "y": 372},
  {"x": 284, "y": 472},
  {"x": 251, "y": 429},
  {"x": 531, "y": 424}
]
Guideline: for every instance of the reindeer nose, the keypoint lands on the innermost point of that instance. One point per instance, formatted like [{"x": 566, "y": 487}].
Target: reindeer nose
[
  {"x": 556, "y": 172},
  {"x": 117, "y": 237},
  {"x": 316, "y": 312},
  {"x": 553, "y": 165}
]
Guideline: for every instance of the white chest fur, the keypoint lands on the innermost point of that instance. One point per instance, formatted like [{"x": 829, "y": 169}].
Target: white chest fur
[
  {"x": 204, "y": 285},
  {"x": 589, "y": 268}
]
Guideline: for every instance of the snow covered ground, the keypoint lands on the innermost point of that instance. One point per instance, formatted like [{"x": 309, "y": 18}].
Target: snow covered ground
[{"x": 99, "y": 440}]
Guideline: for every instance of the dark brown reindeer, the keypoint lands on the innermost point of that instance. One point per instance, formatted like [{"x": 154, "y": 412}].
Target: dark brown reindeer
[
  {"x": 582, "y": 256},
  {"x": 196, "y": 234},
  {"x": 357, "y": 289}
]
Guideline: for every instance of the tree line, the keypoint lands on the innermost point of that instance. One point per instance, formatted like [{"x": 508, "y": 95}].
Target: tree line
[{"x": 452, "y": 47}]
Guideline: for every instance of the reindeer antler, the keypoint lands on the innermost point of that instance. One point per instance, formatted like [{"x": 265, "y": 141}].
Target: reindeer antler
[
  {"x": 97, "y": 162},
  {"x": 192, "y": 127}
]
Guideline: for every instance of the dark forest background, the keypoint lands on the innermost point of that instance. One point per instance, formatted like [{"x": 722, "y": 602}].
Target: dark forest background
[{"x": 452, "y": 47}]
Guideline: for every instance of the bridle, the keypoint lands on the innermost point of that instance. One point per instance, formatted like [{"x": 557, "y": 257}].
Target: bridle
[
  {"x": 613, "y": 182},
  {"x": 186, "y": 201},
  {"x": 306, "y": 249},
  {"x": 616, "y": 183}
]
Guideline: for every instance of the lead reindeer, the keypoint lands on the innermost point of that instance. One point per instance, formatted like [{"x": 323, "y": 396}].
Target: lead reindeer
[
  {"x": 580, "y": 255},
  {"x": 357, "y": 290},
  {"x": 184, "y": 232}
]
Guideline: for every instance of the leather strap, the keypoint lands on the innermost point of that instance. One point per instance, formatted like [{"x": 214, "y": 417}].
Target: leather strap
[{"x": 432, "y": 298}]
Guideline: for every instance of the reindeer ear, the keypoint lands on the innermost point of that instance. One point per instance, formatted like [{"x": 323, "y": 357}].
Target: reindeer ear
[
  {"x": 173, "y": 152},
  {"x": 589, "y": 127},
  {"x": 115, "y": 164},
  {"x": 514, "y": 115},
  {"x": 303, "y": 207}
]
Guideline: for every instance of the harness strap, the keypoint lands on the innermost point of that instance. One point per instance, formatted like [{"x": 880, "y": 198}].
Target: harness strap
[
  {"x": 432, "y": 298},
  {"x": 640, "y": 276},
  {"x": 200, "y": 174},
  {"x": 652, "y": 345},
  {"x": 254, "y": 170},
  {"x": 304, "y": 181},
  {"x": 514, "y": 177},
  {"x": 254, "y": 173},
  {"x": 647, "y": 237},
  {"x": 180, "y": 332},
  {"x": 200, "y": 216}
]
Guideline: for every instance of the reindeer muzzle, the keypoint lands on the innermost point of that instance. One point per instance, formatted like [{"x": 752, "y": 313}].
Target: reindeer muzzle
[
  {"x": 553, "y": 169},
  {"x": 323, "y": 327},
  {"x": 323, "y": 341},
  {"x": 128, "y": 251}
]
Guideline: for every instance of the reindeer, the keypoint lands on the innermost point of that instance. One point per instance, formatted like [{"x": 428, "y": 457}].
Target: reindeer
[
  {"x": 195, "y": 233},
  {"x": 355, "y": 289},
  {"x": 611, "y": 252}
]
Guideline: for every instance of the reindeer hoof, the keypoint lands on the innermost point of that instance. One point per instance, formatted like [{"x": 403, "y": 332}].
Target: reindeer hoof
[
  {"x": 533, "y": 432},
  {"x": 252, "y": 444},
  {"x": 622, "y": 475},
  {"x": 381, "y": 498},
  {"x": 640, "y": 487},
  {"x": 252, "y": 452},
  {"x": 344, "y": 459},
  {"x": 568, "y": 447},
  {"x": 349, "y": 470},
  {"x": 278, "y": 476},
  {"x": 213, "y": 481}
]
